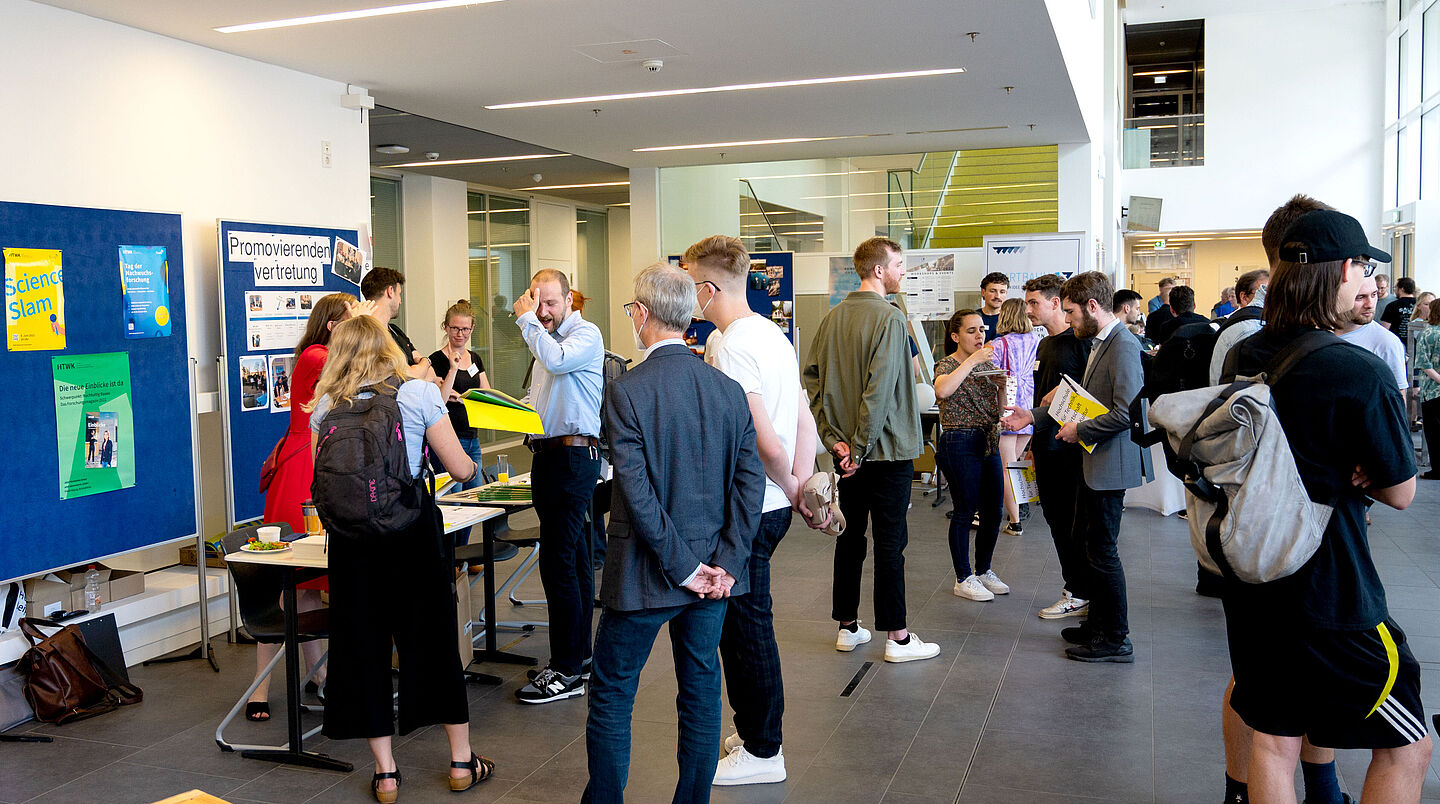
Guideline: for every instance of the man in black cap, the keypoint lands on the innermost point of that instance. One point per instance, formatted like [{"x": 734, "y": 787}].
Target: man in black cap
[{"x": 1316, "y": 653}]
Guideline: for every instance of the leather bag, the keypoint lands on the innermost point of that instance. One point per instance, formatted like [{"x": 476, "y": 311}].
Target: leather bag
[
  {"x": 65, "y": 679},
  {"x": 272, "y": 463}
]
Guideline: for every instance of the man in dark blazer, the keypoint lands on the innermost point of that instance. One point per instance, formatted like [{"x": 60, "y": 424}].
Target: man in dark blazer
[
  {"x": 1111, "y": 464},
  {"x": 688, "y": 492}
]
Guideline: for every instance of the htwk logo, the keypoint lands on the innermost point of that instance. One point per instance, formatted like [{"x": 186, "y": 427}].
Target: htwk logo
[
  {"x": 372, "y": 491},
  {"x": 1008, "y": 249}
]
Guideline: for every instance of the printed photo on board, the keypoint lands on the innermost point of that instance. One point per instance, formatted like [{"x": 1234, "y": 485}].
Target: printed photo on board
[
  {"x": 102, "y": 430},
  {"x": 281, "y": 367},
  {"x": 348, "y": 261},
  {"x": 254, "y": 388}
]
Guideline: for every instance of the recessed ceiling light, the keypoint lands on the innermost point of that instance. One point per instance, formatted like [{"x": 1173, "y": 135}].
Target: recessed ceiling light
[
  {"x": 784, "y": 141},
  {"x": 392, "y": 150},
  {"x": 666, "y": 93},
  {"x": 575, "y": 186},
  {"x": 480, "y": 160},
  {"x": 382, "y": 11}
]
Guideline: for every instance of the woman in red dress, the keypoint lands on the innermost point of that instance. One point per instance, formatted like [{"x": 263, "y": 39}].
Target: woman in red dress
[{"x": 295, "y": 468}]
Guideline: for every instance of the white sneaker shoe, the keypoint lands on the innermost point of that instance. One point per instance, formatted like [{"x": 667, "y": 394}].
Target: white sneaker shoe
[
  {"x": 1067, "y": 606},
  {"x": 847, "y": 640},
  {"x": 731, "y": 743},
  {"x": 973, "y": 589},
  {"x": 742, "y": 767},
  {"x": 994, "y": 584},
  {"x": 914, "y": 650}
]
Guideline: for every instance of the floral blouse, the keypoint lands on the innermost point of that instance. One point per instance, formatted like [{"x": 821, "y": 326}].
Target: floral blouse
[
  {"x": 975, "y": 404},
  {"x": 1427, "y": 355}
]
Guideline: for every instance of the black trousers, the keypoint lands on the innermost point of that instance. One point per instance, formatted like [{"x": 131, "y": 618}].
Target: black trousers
[
  {"x": 1430, "y": 418},
  {"x": 878, "y": 493},
  {"x": 562, "y": 483},
  {"x": 400, "y": 593},
  {"x": 1097, "y": 521},
  {"x": 1058, "y": 474},
  {"x": 748, "y": 652}
]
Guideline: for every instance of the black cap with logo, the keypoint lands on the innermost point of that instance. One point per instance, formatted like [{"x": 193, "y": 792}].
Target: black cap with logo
[{"x": 1325, "y": 235}]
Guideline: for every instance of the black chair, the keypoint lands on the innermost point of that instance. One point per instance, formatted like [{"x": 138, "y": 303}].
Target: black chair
[{"x": 257, "y": 590}]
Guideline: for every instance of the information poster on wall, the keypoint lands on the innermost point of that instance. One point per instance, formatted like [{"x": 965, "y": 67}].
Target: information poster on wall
[
  {"x": 93, "y": 423},
  {"x": 929, "y": 286},
  {"x": 843, "y": 279},
  {"x": 769, "y": 290},
  {"x": 1025, "y": 257},
  {"x": 272, "y": 276},
  {"x": 34, "y": 300},
  {"x": 145, "y": 291}
]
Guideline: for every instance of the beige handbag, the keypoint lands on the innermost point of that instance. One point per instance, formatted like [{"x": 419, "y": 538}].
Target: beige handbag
[{"x": 822, "y": 497}]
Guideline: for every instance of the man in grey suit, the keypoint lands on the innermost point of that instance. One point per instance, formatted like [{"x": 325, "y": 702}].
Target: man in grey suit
[
  {"x": 688, "y": 491},
  {"x": 1113, "y": 376}
]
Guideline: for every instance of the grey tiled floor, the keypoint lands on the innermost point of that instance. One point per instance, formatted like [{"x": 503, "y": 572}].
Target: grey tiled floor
[{"x": 999, "y": 716}]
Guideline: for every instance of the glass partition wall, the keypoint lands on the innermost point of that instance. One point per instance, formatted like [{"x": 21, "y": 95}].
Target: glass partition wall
[{"x": 499, "y": 234}]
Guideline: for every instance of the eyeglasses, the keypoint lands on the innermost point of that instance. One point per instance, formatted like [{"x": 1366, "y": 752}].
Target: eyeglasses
[
  {"x": 630, "y": 308},
  {"x": 714, "y": 288},
  {"x": 461, "y": 330},
  {"x": 1368, "y": 266}
]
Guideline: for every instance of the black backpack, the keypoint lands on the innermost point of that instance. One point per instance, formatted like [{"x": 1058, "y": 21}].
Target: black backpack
[
  {"x": 1246, "y": 313},
  {"x": 1183, "y": 361},
  {"x": 363, "y": 488},
  {"x": 613, "y": 366}
]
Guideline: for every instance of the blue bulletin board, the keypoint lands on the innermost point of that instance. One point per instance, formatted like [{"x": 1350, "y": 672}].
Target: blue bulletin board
[
  {"x": 42, "y": 531},
  {"x": 770, "y": 291},
  {"x": 270, "y": 276}
]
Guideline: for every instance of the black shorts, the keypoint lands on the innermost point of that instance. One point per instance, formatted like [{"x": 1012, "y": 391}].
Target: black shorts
[{"x": 1342, "y": 689}]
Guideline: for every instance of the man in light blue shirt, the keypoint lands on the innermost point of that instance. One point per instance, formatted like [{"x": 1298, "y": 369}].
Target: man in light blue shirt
[{"x": 565, "y": 389}]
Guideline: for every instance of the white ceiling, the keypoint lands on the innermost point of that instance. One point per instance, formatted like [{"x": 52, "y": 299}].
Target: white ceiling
[{"x": 448, "y": 64}]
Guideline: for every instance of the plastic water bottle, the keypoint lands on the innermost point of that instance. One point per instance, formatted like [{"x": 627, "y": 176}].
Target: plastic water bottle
[{"x": 92, "y": 588}]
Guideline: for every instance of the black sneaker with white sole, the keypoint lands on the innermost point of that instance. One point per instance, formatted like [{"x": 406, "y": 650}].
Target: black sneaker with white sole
[
  {"x": 548, "y": 686},
  {"x": 584, "y": 671}
]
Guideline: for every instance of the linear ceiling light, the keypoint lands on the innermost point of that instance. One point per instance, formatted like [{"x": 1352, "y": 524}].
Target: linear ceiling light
[
  {"x": 785, "y": 141},
  {"x": 477, "y": 161},
  {"x": 1162, "y": 72},
  {"x": 806, "y": 175},
  {"x": 382, "y": 11},
  {"x": 666, "y": 93},
  {"x": 575, "y": 186}
]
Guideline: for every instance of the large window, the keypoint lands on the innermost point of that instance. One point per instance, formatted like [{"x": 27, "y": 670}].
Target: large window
[
  {"x": 1165, "y": 94},
  {"x": 499, "y": 233},
  {"x": 386, "y": 228},
  {"x": 592, "y": 261}
]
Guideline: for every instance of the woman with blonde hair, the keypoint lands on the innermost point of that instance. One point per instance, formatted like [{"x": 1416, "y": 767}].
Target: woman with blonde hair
[
  {"x": 294, "y": 470},
  {"x": 460, "y": 369},
  {"x": 1016, "y": 350},
  {"x": 400, "y": 591}
]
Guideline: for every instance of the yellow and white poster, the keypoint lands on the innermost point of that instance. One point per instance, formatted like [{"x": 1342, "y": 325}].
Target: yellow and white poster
[{"x": 34, "y": 300}]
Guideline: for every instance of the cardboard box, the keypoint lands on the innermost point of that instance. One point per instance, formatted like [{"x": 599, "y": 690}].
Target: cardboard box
[
  {"x": 125, "y": 583},
  {"x": 44, "y": 596}
]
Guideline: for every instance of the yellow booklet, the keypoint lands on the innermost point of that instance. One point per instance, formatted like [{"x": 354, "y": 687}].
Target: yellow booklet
[
  {"x": 494, "y": 410},
  {"x": 1072, "y": 404}
]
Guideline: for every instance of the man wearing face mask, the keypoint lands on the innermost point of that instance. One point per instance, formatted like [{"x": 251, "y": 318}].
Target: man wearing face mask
[{"x": 565, "y": 389}]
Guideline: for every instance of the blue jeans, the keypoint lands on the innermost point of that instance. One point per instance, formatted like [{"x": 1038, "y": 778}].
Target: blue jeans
[
  {"x": 976, "y": 484},
  {"x": 748, "y": 650},
  {"x": 472, "y": 448},
  {"x": 622, "y": 645}
]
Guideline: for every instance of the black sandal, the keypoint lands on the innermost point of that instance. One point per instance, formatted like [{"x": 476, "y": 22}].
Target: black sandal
[
  {"x": 254, "y": 710},
  {"x": 387, "y": 796},
  {"x": 480, "y": 769}
]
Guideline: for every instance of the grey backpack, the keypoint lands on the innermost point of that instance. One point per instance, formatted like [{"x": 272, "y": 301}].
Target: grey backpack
[{"x": 1251, "y": 518}]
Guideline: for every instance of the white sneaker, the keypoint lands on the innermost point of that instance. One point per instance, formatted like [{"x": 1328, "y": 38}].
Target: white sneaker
[
  {"x": 742, "y": 767},
  {"x": 994, "y": 584},
  {"x": 846, "y": 640},
  {"x": 973, "y": 589},
  {"x": 1067, "y": 606},
  {"x": 914, "y": 650},
  {"x": 731, "y": 743}
]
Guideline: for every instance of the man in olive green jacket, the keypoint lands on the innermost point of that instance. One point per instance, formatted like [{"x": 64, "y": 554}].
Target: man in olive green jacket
[{"x": 861, "y": 391}]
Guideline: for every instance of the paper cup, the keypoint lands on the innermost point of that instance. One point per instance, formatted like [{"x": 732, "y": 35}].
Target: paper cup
[{"x": 269, "y": 533}]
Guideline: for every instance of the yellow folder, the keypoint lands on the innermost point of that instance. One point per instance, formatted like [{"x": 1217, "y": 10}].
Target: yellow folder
[{"x": 516, "y": 417}]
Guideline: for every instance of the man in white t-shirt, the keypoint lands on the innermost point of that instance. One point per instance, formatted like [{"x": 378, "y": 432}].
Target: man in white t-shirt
[
  {"x": 1365, "y": 332},
  {"x": 752, "y": 350}
]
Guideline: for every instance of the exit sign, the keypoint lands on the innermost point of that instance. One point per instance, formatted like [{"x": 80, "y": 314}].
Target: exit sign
[{"x": 1159, "y": 244}]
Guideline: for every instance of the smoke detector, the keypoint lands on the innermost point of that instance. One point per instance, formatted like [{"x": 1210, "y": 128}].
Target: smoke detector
[{"x": 652, "y": 65}]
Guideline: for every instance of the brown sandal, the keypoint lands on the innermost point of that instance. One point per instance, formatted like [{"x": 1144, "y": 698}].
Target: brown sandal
[
  {"x": 480, "y": 769},
  {"x": 385, "y": 796}
]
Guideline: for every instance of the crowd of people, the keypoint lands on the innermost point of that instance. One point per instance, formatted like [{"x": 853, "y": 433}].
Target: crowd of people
[{"x": 694, "y": 522}]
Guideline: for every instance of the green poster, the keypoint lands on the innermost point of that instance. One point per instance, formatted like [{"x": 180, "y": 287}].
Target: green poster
[{"x": 94, "y": 431}]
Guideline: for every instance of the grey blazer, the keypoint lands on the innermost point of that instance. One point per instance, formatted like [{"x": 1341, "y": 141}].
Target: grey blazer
[
  {"x": 689, "y": 484},
  {"x": 1114, "y": 376}
]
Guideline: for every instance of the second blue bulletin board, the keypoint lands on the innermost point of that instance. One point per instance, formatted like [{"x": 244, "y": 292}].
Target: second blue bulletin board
[
  {"x": 270, "y": 277},
  {"x": 770, "y": 291}
]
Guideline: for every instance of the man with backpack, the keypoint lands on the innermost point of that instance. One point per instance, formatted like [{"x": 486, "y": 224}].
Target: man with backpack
[
  {"x": 1315, "y": 653},
  {"x": 565, "y": 389},
  {"x": 1244, "y": 322},
  {"x": 1182, "y": 304}
]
